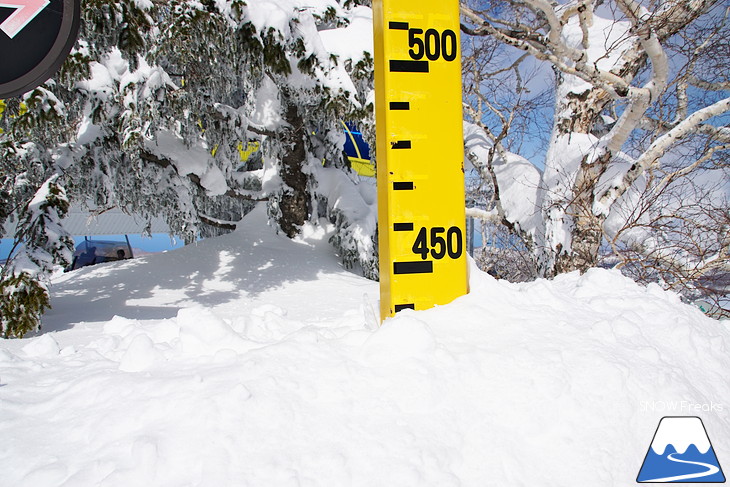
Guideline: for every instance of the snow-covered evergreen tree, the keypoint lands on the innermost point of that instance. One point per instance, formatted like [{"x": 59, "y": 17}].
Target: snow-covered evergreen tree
[{"x": 160, "y": 105}]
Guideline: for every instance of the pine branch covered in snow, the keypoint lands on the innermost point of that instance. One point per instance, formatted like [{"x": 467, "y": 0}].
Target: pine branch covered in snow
[
  {"x": 194, "y": 111},
  {"x": 46, "y": 244},
  {"x": 24, "y": 300}
]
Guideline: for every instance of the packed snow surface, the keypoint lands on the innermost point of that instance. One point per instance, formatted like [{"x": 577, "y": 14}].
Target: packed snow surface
[{"x": 253, "y": 360}]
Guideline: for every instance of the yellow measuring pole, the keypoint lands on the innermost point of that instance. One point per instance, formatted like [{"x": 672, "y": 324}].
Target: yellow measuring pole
[{"x": 419, "y": 154}]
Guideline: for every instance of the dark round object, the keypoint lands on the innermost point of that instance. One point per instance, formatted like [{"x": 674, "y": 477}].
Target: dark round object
[{"x": 34, "y": 48}]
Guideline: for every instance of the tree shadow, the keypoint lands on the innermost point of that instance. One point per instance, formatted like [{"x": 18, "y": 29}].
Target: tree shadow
[{"x": 246, "y": 263}]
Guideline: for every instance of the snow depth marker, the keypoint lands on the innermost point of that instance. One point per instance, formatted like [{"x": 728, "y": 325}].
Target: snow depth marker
[{"x": 420, "y": 154}]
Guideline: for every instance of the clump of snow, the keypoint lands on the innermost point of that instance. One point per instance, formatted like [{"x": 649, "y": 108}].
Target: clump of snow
[
  {"x": 625, "y": 209},
  {"x": 519, "y": 180},
  {"x": 190, "y": 159},
  {"x": 111, "y": 81},
  {"x": 607, "y": 40},
  {"x": 354, "y": 207},
  {"x": 267, "y": 109},
  {"x": 112, "y": 75},
  {"x": 265, "y": 15},
  {"x": 47, "y": 101},
  {"x": 564, "y": 158},
  {"x": 206, "y": 340},
  {"x": 275, "y": 18},
  {"x": 353, "y": 41},
  {"x": 140, "y": 355},
  {"x": 43, "y": 346},
  {"x": 143, "y": 4},
  {"x": 273, "y": 375}
]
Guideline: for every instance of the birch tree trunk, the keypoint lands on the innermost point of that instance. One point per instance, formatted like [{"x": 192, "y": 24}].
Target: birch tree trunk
[
  {"x": 573, "y": 232},
  {"x": 614, "y": 66}
]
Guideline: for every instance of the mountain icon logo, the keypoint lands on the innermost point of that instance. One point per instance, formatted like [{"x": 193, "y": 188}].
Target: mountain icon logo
[{"x": 681, "y": 452}]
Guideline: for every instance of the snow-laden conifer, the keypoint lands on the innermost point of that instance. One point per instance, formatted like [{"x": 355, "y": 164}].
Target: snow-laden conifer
[{"x": 194, "y": 111}]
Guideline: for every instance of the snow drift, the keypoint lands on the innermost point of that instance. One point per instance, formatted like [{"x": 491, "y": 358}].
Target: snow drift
[{"x": 253, "y": 360}]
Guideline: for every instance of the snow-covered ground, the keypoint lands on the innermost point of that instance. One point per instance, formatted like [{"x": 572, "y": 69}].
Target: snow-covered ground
[{"x": 252, "y": 360}]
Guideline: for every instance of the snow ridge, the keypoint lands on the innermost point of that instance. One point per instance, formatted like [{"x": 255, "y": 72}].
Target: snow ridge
[{"x": 251, "y": 359}]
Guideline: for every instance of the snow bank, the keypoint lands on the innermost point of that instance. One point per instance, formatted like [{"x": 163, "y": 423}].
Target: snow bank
[{"x": 253, "y": 360}]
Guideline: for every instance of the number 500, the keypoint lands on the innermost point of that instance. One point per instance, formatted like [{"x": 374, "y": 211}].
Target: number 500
[{"x": 433, "y": 45}]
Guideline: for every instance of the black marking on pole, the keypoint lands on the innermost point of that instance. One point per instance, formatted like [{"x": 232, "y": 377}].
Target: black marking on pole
[
  {"x": 403, "y": 227},
  {"x": 398, "y": 25},
  {"x": 401, "y": 307},
  {"x": 400, "y": 144},
  {"x": 403, "y": 186},
  {"x": 408, "y": 66},
  {"x": 400, "y": 105},
  {"x": 415, "y": 267}
]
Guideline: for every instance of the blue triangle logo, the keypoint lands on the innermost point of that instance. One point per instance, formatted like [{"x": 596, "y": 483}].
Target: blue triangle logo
[{"x": 681, "y": 452}]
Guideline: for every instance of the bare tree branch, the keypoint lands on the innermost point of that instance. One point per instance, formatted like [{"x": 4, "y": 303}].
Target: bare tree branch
[
  {"x": 660, "y": 147},
  {"x": 706, "y": 85}
]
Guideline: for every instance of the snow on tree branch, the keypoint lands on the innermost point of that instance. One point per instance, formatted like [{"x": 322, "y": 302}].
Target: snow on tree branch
[
  {"x": 659, "y": 148},
  {"x": 615, "y": 114}
]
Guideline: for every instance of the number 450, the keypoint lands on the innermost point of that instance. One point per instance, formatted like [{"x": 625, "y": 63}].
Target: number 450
[{"x": 452, "y": 243}]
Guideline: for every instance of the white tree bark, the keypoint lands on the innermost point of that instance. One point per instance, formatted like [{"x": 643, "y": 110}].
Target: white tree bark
[
  {"x": 659, "y": 148},
  {"x": 598, "y": 61}
]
